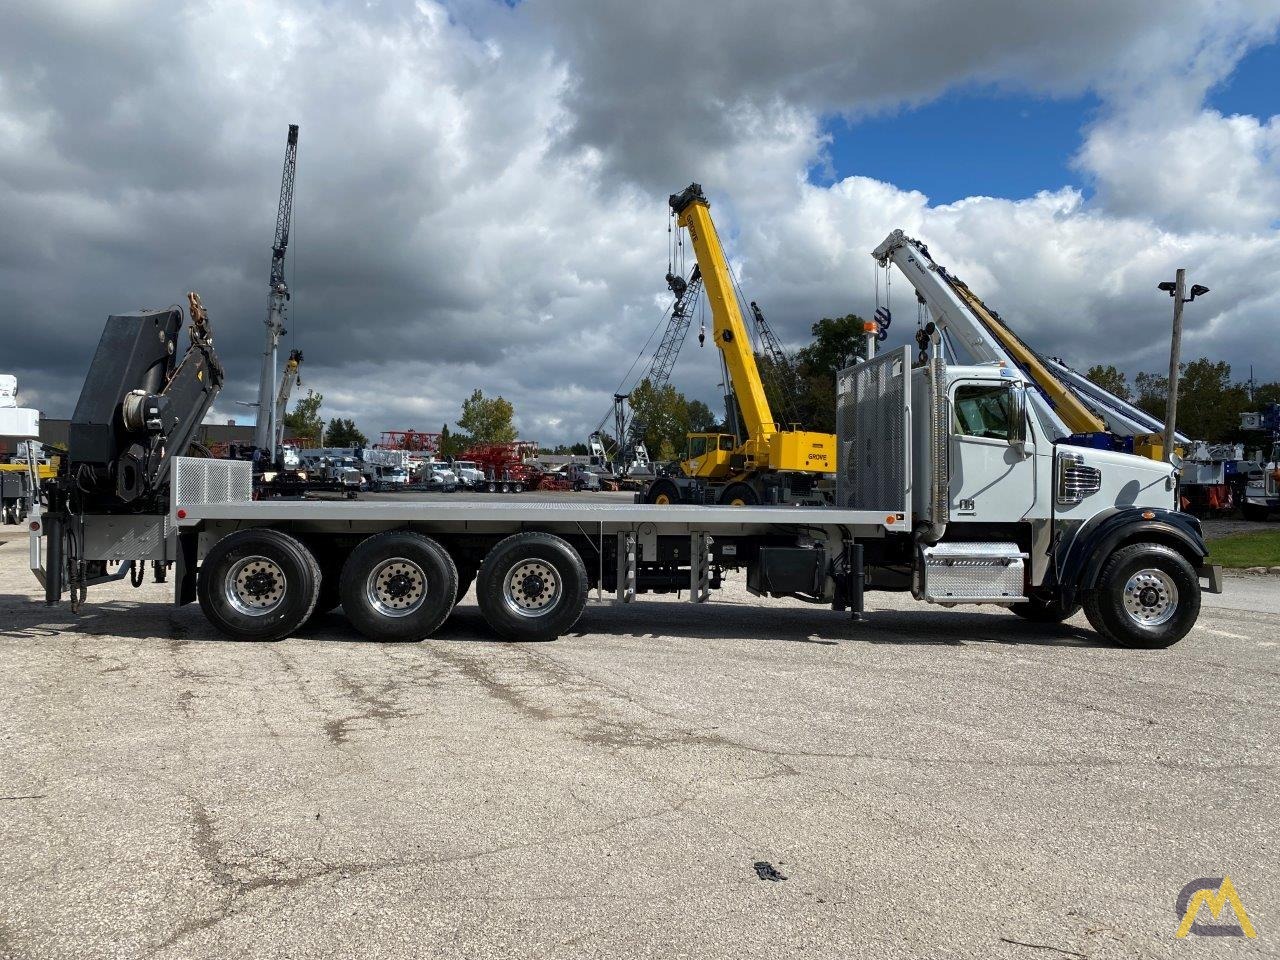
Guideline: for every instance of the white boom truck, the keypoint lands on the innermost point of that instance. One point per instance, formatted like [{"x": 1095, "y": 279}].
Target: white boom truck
[{"x": 952, "y": 484}]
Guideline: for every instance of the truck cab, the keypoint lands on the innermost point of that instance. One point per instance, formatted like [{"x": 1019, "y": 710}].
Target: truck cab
[{"x": 1005, "y": 509}]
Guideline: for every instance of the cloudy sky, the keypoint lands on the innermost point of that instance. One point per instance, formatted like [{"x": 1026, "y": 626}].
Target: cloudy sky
[{"x": 481, "y": 192}]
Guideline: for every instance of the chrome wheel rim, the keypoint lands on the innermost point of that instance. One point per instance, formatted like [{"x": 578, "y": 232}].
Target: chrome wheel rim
[
  {"x": 531, "y": 588},
  {"x": 396, "y": 587},
  {"x": 1150, "y": 598},
  {"x": 255, "y": 586}
]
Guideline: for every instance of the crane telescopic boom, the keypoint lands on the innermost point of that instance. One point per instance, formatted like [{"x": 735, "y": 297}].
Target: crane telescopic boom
[
  {"x": 287, "y": 381},
  {"x": 986, "y": 338},
  {"x": 266, "y": 431},
  {"x": 694, "y": 213}
]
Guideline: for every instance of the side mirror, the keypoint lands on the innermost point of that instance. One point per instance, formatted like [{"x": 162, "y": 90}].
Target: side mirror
[{"x": 1018, "y": 418}]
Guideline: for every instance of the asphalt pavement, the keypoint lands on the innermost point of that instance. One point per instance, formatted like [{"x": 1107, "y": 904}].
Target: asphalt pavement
[{"x": 741, "y": 778}]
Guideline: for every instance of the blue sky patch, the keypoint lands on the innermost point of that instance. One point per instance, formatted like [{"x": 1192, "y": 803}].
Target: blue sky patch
[
  {"x": 1253, "y": 87},
  {"x": 964, "y": 144}
]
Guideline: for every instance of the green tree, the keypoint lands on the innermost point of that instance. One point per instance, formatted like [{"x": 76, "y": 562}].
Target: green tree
[
  {"x": 1151, "y": 393},
  {"x": 488, "y": 420},
  {"x": 1110, "y": 379},
  {"x": 700, "y": 418},
  {"x": 1209, "y": 404},
  {"x": 1265, "y": 393},
  {"x": 304, "y": 422},
  {"x": 661, "y": 414},
  {"x": 342, "y": 432},
  {"x": 451, "y": 444},
  {"x": 837, "y": 343}
]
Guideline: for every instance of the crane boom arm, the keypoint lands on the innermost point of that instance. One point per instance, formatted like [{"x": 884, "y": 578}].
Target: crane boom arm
[
  {"x": 287, "y": 380},
  {"x": 694, "y": 214},
  {"x": 987, "y": 339},
  {"x": 284, "y": 211},
  {"x": 265, "y": 431}
]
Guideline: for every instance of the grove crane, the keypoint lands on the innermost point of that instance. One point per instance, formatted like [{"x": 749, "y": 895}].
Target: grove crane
[{"x": 774, "y": 464}]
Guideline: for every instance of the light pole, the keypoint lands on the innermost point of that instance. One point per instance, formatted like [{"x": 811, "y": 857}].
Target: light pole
[{"x": 1176, "y": 288}]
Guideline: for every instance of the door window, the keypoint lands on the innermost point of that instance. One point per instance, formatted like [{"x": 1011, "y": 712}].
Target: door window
[{"x": 983, "y": 410}]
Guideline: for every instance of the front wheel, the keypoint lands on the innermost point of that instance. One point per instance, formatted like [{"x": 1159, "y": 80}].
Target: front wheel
[
  {"x": 532, "y": 586},
  {"x": 1147, "y": 597}
]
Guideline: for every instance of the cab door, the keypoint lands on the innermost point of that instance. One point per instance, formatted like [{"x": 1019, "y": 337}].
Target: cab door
[{"x": 992, "y": 453}]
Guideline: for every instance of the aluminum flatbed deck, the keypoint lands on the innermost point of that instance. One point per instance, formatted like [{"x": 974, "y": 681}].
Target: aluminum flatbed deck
[{"x": 514, "y": 513}]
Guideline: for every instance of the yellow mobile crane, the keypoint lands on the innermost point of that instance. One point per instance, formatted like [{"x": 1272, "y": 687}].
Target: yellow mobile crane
[{"x": 775, "y": 464}]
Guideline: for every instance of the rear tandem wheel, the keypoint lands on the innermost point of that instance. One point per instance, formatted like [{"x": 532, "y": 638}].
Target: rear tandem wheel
[
  {"x": 532, "y": 586},
  {"x": 258, "y": 584}
]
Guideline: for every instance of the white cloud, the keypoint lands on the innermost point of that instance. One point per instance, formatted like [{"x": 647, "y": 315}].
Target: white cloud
[{"x": 1191, "y": 169}]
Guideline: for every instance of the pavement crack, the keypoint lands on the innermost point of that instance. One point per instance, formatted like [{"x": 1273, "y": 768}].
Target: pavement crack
[{"x": 1044, "y": 946}]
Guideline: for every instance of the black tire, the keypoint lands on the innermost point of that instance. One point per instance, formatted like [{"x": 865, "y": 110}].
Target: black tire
[
  {"x": 258, "y": 584},
  {"x": 662, "y": 491},
  {"x": 1038, "y": 610},
  {"x": 491, "y": 487},
  {"x": 532, "y": 586},
  {"x": 398, "y": 586},
  {"x": 1255, "y": 512},
  {"x": 739, "y": 495},
  {"x": 1137, "y": 578}
]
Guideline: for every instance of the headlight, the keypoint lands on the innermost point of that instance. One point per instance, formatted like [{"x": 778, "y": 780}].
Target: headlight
[{"x": 1075, "y": 480}]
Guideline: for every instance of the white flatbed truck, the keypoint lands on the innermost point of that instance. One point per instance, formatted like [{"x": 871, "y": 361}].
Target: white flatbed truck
[{"x": 948, "y": 486}]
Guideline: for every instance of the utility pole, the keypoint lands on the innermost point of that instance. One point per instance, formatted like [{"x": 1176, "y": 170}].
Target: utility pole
[{"x": 1177, "y": 289}]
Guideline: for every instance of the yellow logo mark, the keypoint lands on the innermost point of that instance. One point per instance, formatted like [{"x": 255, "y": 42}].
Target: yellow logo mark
[{"x": 1197, "y": 894}]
